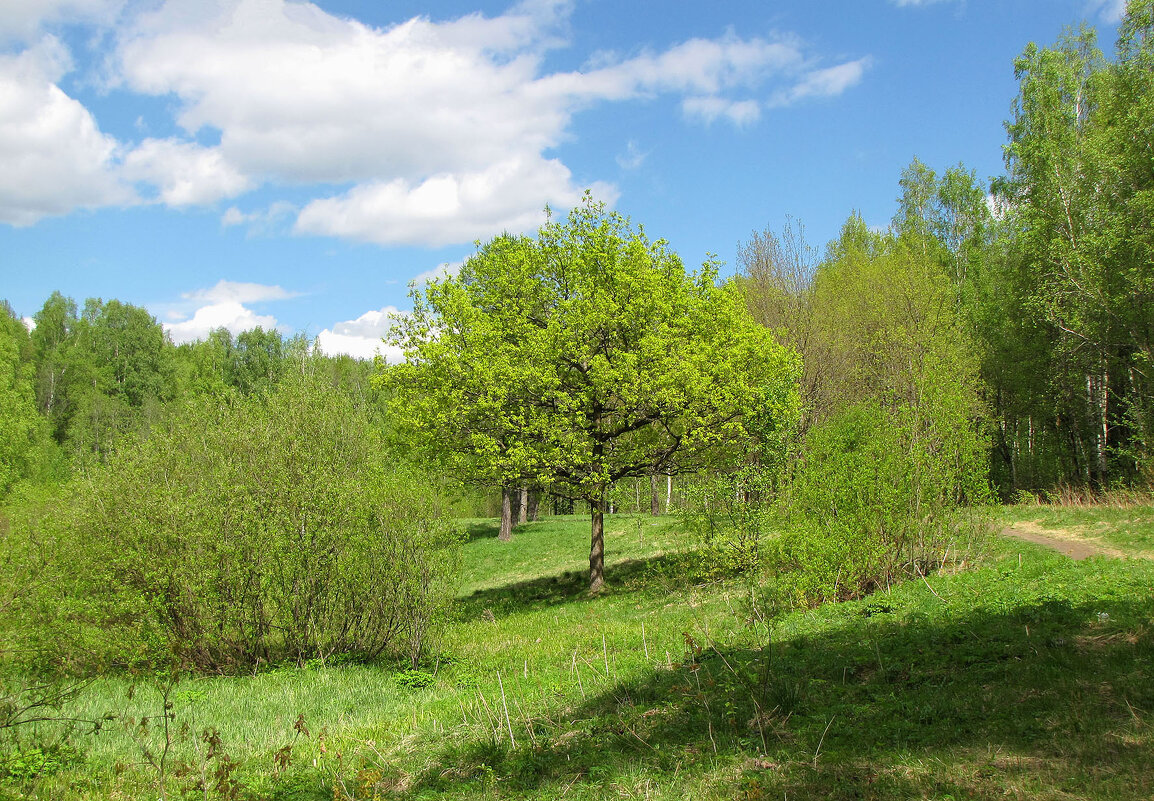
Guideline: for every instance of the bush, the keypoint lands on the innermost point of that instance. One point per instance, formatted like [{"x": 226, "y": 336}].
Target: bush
[
  {"x": 881, "y": 494},
  {"x": 245, "y": 531}
]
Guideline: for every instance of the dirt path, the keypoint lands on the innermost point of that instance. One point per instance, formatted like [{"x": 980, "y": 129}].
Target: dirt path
[{"x": 1060, "y": 540}]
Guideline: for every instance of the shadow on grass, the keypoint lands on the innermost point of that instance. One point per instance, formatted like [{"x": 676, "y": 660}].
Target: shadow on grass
[
  {"x": 571, "y": 586},
  {"x": 482, "y": 530},
  {"x": 489, "y": 528},
  {"x": 1042, "y": 697}
]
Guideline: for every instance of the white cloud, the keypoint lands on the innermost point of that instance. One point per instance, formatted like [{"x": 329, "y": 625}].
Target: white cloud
[
  {"x": 184, "y": 172},
  {"x": 447, "y": 208},
  {"x": 22, "y": 19},
  {"x": 362, "y": 337},
  {"x": 53, "y": 157},
  {"x": 1111, "y": 11},
  {"x": 440, "y": 127},
  {"x": 240, "y": 292},
  {"x": 227, "y": 314},
  {"x": 422, "y": 132},
  {"x": 222, "y": 306},
  {"x": 442, "y": 271},
  {"x": 303, "y": 96},
  {"x": 262, "y": 221},
  {"x": 708, "y": 109},
  {"x": 828, "y": 82},
  {"x": 633, "y": 157}
]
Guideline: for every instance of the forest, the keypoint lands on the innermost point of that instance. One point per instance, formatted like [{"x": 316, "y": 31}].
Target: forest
[{"x": 240, "y": 568}]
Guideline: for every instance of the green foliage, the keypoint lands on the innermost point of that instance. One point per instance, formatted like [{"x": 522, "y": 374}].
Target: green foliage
[
  {"x": 247, "y": 530},
  {"x": 414, "y": 679},
  {"x": 969, "y": 682},
  {"x": 101, "y": 374},
  {"x": 894, "y": 440}
]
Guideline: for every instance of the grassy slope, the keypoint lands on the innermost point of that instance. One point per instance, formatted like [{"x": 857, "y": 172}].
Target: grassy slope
[{"x": 1026, "y": 678}]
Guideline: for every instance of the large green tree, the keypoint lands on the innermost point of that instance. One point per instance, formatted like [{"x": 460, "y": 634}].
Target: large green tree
[{"x": 585, "y": 356}]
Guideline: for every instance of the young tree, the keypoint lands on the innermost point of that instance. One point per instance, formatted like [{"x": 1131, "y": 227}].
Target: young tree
[{"x": 583, "y": 357}]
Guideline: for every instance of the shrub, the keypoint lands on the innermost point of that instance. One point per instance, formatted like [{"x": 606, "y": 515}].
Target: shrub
[
  {"x": 250, "y": 530},
  {"x": 881, "y": 493}
]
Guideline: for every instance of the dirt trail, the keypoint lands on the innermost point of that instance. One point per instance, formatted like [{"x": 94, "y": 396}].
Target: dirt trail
[{"x": 1063, "y": 541}]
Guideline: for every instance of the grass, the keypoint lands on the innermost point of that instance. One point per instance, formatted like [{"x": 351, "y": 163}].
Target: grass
[{"x": 1027, "y": 677}]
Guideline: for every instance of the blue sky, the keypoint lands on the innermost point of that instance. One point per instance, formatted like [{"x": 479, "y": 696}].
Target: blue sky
[{"x": 292, "y": 164}]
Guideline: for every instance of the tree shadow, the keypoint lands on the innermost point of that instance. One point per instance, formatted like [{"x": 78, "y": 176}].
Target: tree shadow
[
  {"x": 570, "y": 586},
  {"x": 486, "y": 529},
  {"x": 1046, "y": 687}
]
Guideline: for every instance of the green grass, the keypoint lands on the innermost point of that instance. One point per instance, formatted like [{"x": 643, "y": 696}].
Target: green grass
[{"x": 1028, "y": 677}]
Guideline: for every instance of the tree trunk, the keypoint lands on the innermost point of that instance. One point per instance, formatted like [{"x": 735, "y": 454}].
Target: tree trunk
[
  {"x": 597, "y": 545},
  {"x": 654, "y": 498},
  {"x": 668, "y": 493},
  {"x": 522, "y": 505},
  {"x": 534, "y": 504},
  {"x": 506, "y": 515}
]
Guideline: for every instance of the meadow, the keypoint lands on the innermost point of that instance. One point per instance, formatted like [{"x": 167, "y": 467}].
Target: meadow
[{"x": 1013, "y": 673}]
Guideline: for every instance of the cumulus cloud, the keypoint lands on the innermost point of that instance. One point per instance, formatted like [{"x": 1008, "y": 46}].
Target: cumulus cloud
[
  {"x": 304, "y": 96},
  {"x": 229, "y": 314},
  {"x": 23, "y": 19},
  {"x": 222, "y": 306},
  {"x": 362, "y": 337},
  {"x": 440, "y": 127},
  {"x": 184, "y": 173},
  {"x": 53, "y": 155},
  {"x": 447, "y": 208},
  {"x": 424, "y": 132}
]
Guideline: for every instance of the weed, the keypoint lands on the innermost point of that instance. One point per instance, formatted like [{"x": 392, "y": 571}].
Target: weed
[
  {"x": 22, "y": 764},
  {"x": 414, "y": 679}
]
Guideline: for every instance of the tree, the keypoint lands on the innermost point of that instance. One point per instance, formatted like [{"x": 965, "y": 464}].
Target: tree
[
  {"x": 257, "y": 360},
  {"x": 775, "y": 274},
  {"x": 583, "y": 357},
  {"x": 52, "y": 339},
  {"x": 23, "y": 432}
]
